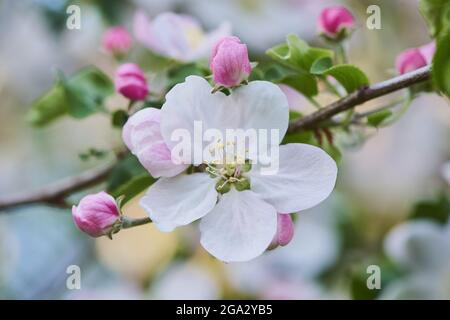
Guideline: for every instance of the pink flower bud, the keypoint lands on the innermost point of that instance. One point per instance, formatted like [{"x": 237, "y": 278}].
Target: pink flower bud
[
  {"x": 333, "y": 20},
  {"x": 410, "y": 60},
  {"x": 130, "y": 81},
  {"x": 285, "y": 231},
  {"x": 428, "y": 51},
  {"x": 229, "y": 62},
  {"x": 117, "y": 40},
  {"x": 142, "y": 135},
  {"x": 96, "y": 214}
]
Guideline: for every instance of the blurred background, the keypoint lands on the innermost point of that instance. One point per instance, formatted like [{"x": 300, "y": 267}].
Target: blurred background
[{"x": 390, "y": 188}]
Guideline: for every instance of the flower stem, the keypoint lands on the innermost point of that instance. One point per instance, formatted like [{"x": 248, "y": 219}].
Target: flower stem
[
  {"x": 341, "y": 55},
  {"x": 130, "y": 223}
]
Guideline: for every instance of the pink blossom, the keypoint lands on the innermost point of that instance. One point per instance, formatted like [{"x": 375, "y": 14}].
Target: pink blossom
[
  {"x": 131, "y": 82},
  {"x": 285, "y": 231},
  {"x": 230, "y": 64},
  {"x": 428, "y": 51},
  {"x": 96, "y": 214},
  {"x": 334, "y": 19},
  {"x": 117, "y": 40},
  {"x": 410, "y": 60},
  {"x": 142, "y": 135}
]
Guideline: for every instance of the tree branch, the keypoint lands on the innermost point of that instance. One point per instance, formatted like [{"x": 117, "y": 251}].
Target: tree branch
[
  {"x": 360, "y": 96},
  {"x": 55, "y": 194}
]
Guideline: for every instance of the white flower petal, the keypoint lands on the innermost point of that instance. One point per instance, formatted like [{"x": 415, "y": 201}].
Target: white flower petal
[
  {"x": 142, "y": 135},
  {"x": 417, "y": 286},
  {"x": 261, "y": 105},
  {"x": 258, "y": 105},
  {"x": 172, "y": 202},
  {"x": 192, "y": 101},
  {"x": 420, "y": 245},
  {"x": 306, "y": 176},
  {"x": 239, "y": 228}
]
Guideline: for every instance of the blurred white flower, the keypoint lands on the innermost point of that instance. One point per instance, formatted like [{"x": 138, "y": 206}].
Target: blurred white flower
[
  {"x": 186, "y": 281},
  {"x": 399, "y": 160},
  {"x": 261, "y": 23},
  {"x": 115, "y": 291},
  {"x": 177, "y": 36},
  {"x": 422, "y": 248}
]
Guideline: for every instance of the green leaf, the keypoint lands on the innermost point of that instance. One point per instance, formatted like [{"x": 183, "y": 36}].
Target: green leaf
[
  {"x": 321, "y": 65},
  {"x": 298, "y": 137},
  {"x": 133, "y": 187},
  {"x": 86, "y": 91},
  {"x": 48, "y": 107},
  {"x": 294, "y": 115},
  {"x": 303, "y": 83},
  {"x": 119, "y": 118},
  {"x": 441, "y": 64},
  {"x": 437, "y": 15},
  {"x": 437, "y": 209},
  {"x": 376, "y": 119},
  {"x": 333, "y": 151},
  {"x": 79, "y": 96},
  {"x": 349, "y": 76},
  {"x": 93, "y": 153},
  {"x": 178, "y": 74},
  {"x": 124, "y": 171},
  {"x": 297, "y": 54}
]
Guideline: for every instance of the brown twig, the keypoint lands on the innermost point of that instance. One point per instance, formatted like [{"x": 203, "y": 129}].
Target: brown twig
[
  {"x": 56, "y": 194},
  {"x": 360, "y": 96}
]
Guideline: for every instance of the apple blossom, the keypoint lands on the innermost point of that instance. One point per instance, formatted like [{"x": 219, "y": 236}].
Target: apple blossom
[
  {"x": 333, "y": 20},
  {"x": 142, "y": 135},
  {"x": 428, "y": 51},
  {"x": 96, "y": 214},
  {"x": 131, "y": 82},
  {"x": 238, "y": 204},
  {"x": 285, "y": 231},
  {"x": 230, "y": 64},
  {"x": 422, "y": 248},
  {"x": 176, "y": 36},
  {"x": 415, "y": 58},
  {"x": 117, "y": 40}
]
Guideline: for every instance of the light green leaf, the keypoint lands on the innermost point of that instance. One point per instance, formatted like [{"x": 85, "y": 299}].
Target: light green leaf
[
  {"x": 48, "y": 107},
  {"x": 349, "y": 76},
  {"x": 124, "y": 172},
  {"x": 303, "y": 83},
  {"x": 376, "y": 119},
  {"x": 437, "y": 15},
  {"x": 86, "y": 91},
  {"x": 441, "y": 64},
  {"x": 321, "y": 65},
  {"x": 133, "y": 187},
  {"x": 297, "y": 54},
  {"x": 79, "y": 96}
]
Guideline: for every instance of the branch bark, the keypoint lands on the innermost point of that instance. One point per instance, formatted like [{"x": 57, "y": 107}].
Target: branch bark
[
  {"x": 55, "y": 194},
  {"x": 360, "y": 96}
]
